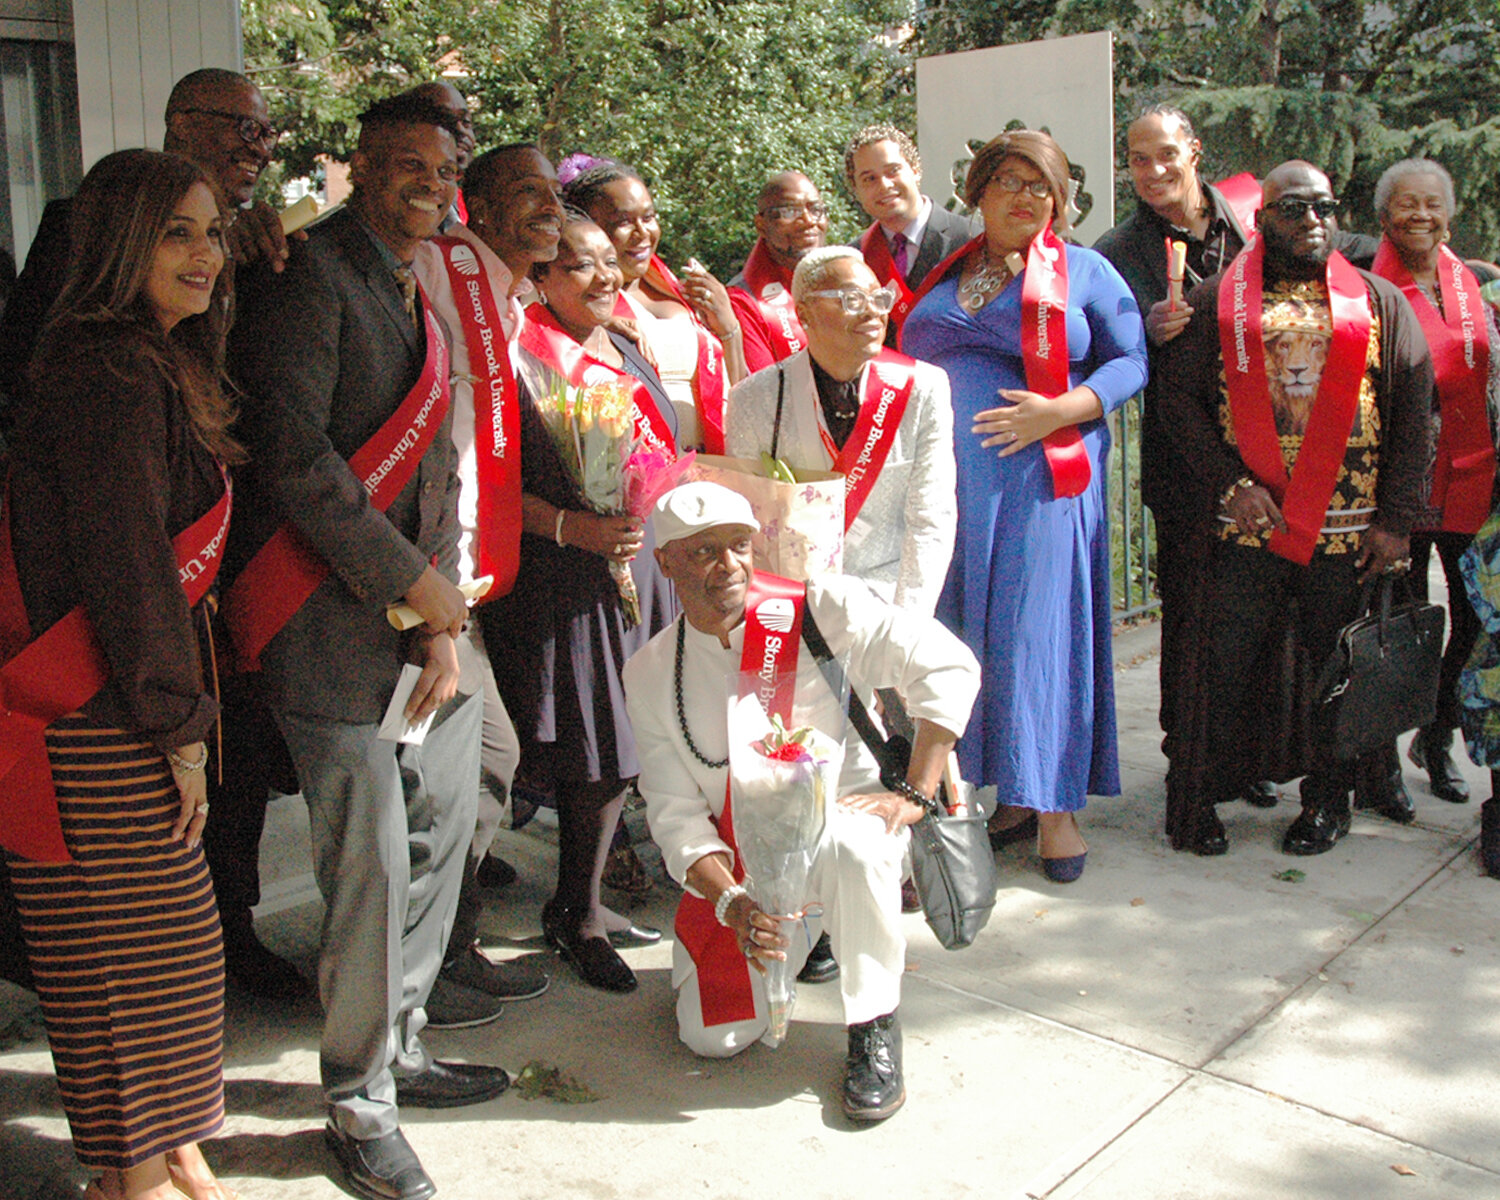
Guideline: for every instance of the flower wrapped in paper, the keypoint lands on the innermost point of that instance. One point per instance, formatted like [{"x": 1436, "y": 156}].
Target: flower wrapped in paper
[
  {"x": 783, "y": 777},
  {"x": 594, "y": 429}
]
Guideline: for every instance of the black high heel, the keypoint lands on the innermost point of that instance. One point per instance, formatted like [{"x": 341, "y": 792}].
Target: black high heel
[{"x": 593, "y": 958}]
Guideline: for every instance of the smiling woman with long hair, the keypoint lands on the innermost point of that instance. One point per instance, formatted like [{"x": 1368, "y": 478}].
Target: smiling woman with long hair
[{"x": 119, "y": 509}]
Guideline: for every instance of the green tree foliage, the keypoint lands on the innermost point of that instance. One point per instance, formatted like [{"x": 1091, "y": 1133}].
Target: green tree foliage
[
  {"x": 704, "y": 97},
  {"x": 1347, "y": 84}
]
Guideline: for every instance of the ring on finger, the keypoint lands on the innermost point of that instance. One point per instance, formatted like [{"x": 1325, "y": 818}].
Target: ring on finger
[{"x": 202, "y": 809}]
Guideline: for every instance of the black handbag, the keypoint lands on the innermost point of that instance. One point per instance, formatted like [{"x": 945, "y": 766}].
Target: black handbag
[
  {"x": 1382, "y": 677},
  {"x": 953, "y": 863}
]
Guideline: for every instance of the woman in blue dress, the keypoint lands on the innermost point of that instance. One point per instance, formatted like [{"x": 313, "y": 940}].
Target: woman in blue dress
[{"x": 1028, "y": 588}]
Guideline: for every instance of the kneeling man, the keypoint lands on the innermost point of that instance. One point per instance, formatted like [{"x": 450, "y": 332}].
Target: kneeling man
[{"x": 678, "y": 688}]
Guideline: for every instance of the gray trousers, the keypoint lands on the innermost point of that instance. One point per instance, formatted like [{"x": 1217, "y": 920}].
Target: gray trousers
[{"x": 391, "y": 829}]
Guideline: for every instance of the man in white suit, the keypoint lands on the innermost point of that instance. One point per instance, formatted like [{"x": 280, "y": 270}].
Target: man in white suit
[{"x": 848, "y": 404}]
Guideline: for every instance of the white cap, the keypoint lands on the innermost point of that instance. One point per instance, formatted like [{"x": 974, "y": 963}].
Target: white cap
[{"x": 693, "y": 507}]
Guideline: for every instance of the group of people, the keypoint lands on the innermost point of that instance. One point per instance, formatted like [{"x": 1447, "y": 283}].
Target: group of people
[{"x": 367, "y": 398}]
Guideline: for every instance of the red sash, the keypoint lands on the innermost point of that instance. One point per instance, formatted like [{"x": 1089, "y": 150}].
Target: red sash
[
  {"x": 545, "y": 339},
  {"x": 61, "y": 671},
  {"x": 1242, "y": 193},
  {"x": 770, "y": 288},
  {"x": 877, "y": 252},
  {"x": 710, "y": 379},
  {"x": 497, "y": 417},
  {"x": 1304, "y": 495},
  {"x": 1044, "y": 346},
  {"x": 276, "y": 583},
  {"x": 889, "y": 381},
  {"x": 1464, "y": 473},
  {"x": 773, "y": 635}
]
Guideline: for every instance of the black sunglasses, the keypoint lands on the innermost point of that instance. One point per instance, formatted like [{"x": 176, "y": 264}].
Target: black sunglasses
[
  {"x": 249, "y": 129},
  {"x": 1289, "y": 208}
]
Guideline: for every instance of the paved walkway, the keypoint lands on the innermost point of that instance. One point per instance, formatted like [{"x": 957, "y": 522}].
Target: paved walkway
[{"x": 1168, "y": 1026}]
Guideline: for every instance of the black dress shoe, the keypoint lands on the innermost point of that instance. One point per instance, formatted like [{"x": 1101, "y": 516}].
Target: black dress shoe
[
  {"x": 1207, "y": 835},
  {"x": 634, "y": 937},
  {"x": 1432, "y": 750},
  {"x": 1261, "y": 794},
  {"x": 1324, "y": 819},
  {"x": 451, "y": 1085},
  {"x": 383, "y": 1168},
  {"x": 873, "y": 1086},
  {"x": 821, "y": 966},
  {"x": 593, "y": 958},
  {"x": 254, "y": 969},
  {"x": 513, "y": 979}
]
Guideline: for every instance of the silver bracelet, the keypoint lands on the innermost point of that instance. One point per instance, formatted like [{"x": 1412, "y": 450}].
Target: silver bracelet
[
  {"x": 727, "y": 897},
  {"x": 557, "y": 530},
  {"x": 182, "y": 764}
]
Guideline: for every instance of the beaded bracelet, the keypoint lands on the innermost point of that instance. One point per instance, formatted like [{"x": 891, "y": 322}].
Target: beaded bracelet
[
  {"x": 903, "y": 788},
  {"x": 727, "y": 897},
  {"x": 182, "y": 764}
]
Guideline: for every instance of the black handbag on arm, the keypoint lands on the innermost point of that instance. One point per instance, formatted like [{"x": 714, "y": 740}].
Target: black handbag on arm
[
  {"x": 952, "y": 860},
  {"x": 1382, "y": 677}
]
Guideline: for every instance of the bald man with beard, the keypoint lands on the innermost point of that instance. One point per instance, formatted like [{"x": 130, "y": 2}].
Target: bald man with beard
[{"x": 1343, "y": 519}]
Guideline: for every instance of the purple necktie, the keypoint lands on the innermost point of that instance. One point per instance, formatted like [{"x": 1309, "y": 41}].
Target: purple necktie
[{"x": 898, "y": 254}]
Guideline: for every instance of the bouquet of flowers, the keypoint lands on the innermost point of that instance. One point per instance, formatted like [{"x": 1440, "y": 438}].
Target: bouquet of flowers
[
  {"x": 593, "y": 427},
  {"x": 781, "y": 784}
]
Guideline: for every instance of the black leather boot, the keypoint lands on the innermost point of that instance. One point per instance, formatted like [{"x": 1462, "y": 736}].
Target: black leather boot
[
  {"x": 1379, "y": 788},
  {"x": 1431, "y": 750},
  {"x": 1263, "y": 793},
  {"x": 1324, "y": 819},
  {"x": 873, "y": 1086},
  {"x": 1205, "y": 835}
]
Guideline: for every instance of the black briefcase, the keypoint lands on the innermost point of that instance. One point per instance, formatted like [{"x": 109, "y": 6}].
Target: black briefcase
[{"x": 1382, "y": 677}]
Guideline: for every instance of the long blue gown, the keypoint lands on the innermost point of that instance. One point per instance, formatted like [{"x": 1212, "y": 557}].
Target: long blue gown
[{"x": 1028, "y": 589}]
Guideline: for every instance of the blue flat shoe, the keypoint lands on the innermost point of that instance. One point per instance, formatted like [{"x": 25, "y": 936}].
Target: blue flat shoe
[{"x": 1064, "y": 870}]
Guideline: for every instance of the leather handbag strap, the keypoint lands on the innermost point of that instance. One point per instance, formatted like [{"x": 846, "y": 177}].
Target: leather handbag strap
[{"x": 776, "y": 425}]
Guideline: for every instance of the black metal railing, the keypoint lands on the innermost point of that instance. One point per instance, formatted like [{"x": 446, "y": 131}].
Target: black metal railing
[{"x": 1132, "y": 536}]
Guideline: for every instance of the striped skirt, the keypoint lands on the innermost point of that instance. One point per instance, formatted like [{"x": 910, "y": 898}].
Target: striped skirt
[{"x": 126, "y": 950}]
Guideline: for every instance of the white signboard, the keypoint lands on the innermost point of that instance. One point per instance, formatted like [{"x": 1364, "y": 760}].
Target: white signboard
[{"x": 1063, "y": 85}]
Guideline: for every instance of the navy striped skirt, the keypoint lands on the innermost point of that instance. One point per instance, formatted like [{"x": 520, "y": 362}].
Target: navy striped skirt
[{"x": 126, "y": 950}]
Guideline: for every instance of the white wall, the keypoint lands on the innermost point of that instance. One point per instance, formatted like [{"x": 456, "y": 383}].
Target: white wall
[{"x": 129, "y": 54}]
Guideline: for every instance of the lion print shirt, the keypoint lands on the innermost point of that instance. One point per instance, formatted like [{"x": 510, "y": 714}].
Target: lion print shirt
[{"x": 1297, "y": 329}]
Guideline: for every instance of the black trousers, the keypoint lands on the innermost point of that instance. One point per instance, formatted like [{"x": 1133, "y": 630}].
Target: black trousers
[
  {"x": 1253, "y": 590},
  {"x": 1463, "y": 625}
]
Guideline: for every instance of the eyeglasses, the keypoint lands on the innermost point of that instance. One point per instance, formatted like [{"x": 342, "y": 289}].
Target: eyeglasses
[
  {"x": 855, "y": 300},
  {"x": 249, "y": 129},
  {"x": 1289, "y": 208},
  {"x": 817, "y": 210},
  {"x": 1007, "y": 182}
]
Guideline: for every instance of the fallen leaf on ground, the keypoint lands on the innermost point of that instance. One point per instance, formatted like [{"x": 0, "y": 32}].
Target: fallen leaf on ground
[
  {"x": 1402, "y": 1169},
  {"x": 1137, "y": 902},
  {"x": 1291, "y": 875},
  {"x": 537, "y": 1081}
]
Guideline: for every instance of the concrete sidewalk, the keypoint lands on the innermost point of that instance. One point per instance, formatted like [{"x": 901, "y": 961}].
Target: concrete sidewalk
[{"x": 1168, "y": 1026}]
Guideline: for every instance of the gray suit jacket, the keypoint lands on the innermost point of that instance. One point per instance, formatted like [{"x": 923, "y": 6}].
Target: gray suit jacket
[
  {"x": 902, "y": 539},
  {"x": 325, "y": 353}
]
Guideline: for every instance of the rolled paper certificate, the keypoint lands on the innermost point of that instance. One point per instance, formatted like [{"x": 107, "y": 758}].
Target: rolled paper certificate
[
  {"x": 1176, "y": 264},
  {"x": 404, "y": 616},
  {"x": 299, "y": 214}
]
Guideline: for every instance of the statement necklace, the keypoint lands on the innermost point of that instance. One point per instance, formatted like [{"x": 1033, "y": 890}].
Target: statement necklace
[
  {"x": 681, "y": 711},
  {"x": 988, "y": 280}
]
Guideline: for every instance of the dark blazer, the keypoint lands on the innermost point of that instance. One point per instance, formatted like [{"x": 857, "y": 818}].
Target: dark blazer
[
  {"x": 325, "y": 353},
  {"x": 946, "y": 232}
]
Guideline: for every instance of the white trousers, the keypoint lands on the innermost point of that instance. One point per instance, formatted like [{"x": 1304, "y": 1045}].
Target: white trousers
[{"x": 856, "y": 876}]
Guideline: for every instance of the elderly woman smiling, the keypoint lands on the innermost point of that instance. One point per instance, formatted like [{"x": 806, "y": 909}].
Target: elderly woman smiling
[{"x": 1414, "y": 200}]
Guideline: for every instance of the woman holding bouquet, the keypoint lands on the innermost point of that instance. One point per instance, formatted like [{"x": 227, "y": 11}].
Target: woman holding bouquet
[
  {"x": 1028, "y": 588},
  {"x": 571, "y": 621},
  {"x": 689, "y": 324}
]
